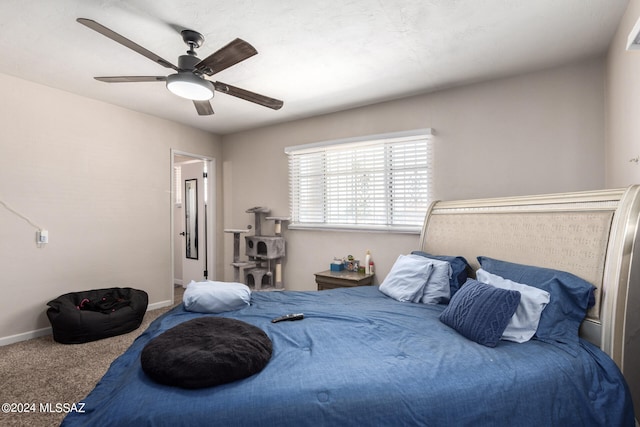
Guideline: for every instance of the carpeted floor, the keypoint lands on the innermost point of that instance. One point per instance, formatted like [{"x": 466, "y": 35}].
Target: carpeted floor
[{"x": 41, "y": 375}]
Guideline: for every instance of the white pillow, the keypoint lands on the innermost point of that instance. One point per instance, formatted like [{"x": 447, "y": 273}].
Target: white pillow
[
  {"x": 407, "y": 278},
  {"x": 215, "y": 297},
  {"x": 524, "y": 322},
  {"x": 437, "y": 289}
]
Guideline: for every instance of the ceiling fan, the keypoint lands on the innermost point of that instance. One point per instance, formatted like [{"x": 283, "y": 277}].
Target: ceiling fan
[{"x": 188, "y": 81}]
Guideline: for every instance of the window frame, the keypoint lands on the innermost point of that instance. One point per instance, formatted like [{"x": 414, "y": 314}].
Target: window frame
[{"x": 352, "y": 145}]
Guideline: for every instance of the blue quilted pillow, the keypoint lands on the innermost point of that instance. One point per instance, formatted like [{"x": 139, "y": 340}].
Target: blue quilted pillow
[{"x": 481, "y": 312}]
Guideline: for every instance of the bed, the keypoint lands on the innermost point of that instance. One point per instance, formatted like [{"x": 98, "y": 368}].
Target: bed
[{"x": 360, "y": 357}]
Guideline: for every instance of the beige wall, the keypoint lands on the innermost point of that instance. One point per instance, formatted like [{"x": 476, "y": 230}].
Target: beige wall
[
  {"x": 98, "y": 178},
  {"x": 623, "y": 137},
  {"x": 536, "y": 133},
  {"x": 623, "y": 105}
]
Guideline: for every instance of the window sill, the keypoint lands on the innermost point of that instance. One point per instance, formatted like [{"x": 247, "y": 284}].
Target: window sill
[{"x": 355, "y": 228}]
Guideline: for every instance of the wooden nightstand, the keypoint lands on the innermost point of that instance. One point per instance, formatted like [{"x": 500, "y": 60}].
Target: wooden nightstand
[{"x": 341, "y": 279}]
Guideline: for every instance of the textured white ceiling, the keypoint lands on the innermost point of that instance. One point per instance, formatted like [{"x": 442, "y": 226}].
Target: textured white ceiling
[{"x": 317, "y": 57}]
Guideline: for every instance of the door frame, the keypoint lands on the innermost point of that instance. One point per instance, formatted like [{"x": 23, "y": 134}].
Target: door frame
[{"x": 210, "y": 217}]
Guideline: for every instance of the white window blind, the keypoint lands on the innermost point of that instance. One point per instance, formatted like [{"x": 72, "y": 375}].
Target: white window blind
[{"x": 379, "y": 182}]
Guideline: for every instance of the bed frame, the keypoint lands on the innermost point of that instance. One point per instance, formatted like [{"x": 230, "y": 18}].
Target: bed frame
[{"x": 590, "y": 234}]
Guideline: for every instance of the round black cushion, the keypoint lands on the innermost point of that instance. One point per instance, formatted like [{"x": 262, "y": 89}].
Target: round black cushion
[{"x": 205, "y": 352}]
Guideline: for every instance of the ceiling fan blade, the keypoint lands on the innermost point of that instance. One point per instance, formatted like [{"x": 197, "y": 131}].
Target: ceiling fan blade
[
  {"x": 131, "y": 79},
  {"x": 273, "y": 103},
  {"x": 125, "y": 42},
  {"x": 236, "y": 51},
  {"x": 203, "y": 108}
]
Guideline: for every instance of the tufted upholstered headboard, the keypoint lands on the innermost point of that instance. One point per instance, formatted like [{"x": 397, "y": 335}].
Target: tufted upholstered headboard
[{"x": 590, "y": 234}]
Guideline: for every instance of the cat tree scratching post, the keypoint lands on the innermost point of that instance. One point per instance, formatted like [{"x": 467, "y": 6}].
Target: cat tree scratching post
[
  {"x": 278, "y": 232},
  {"x": 263, "y": 253},
  {"x": 237, "y": 264}
]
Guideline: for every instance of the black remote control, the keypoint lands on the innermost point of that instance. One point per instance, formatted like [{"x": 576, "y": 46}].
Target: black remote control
[{"x": 293, "y": 316}]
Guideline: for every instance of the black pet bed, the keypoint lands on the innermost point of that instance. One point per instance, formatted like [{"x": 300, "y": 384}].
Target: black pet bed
[
  {"x": 205, "y": 352},
  {"x": 80, "y": 317}
]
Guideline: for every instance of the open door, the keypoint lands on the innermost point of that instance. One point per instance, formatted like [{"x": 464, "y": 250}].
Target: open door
[
  {"x": 193, "y": 238},
  {"x": 194, "y": 245}
]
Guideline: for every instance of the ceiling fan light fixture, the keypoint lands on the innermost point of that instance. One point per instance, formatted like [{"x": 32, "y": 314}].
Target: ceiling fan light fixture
[{"x": 188, "y": 85}]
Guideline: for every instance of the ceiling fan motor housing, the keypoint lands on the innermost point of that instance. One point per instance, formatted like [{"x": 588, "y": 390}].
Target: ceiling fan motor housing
[{"x": 187, "y": 62}]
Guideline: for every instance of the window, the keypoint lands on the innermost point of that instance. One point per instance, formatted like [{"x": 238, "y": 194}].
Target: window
[
  {"x": 379, "y": 182},
  {"x": 177, "y": 185}
]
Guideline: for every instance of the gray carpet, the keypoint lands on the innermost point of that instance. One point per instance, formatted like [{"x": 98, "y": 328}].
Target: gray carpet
[{"x": 42, "y": 373}]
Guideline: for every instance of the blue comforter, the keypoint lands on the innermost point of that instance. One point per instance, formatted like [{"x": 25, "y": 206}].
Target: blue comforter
[{"x": 360, "y": 358}]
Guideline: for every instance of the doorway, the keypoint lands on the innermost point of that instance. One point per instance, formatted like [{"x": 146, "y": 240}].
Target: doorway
[{"x": 192, "y": 217}]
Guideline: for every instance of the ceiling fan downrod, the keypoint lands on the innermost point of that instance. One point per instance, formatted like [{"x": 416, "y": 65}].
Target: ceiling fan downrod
[{"x": 193, "y": 39}]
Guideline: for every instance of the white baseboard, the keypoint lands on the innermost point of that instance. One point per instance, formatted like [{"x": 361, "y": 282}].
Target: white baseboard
[
  {"x": 160, "y": 304},
  {"x": 25, "y": 336},
  {"x": 47, "y": 331},
  {"x": 177, "y": 282}
]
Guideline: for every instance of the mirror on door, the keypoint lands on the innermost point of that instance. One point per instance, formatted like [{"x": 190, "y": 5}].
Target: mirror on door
[{"x": 191, "y": 218}]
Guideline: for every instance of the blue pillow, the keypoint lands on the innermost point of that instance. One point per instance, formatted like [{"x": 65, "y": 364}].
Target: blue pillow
[
  {"x": 459, "y": 267},
  {"x": 215, "y": 297},
  {"x": 569, "y": 299},
  {"x": 481, "y": 312}
]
